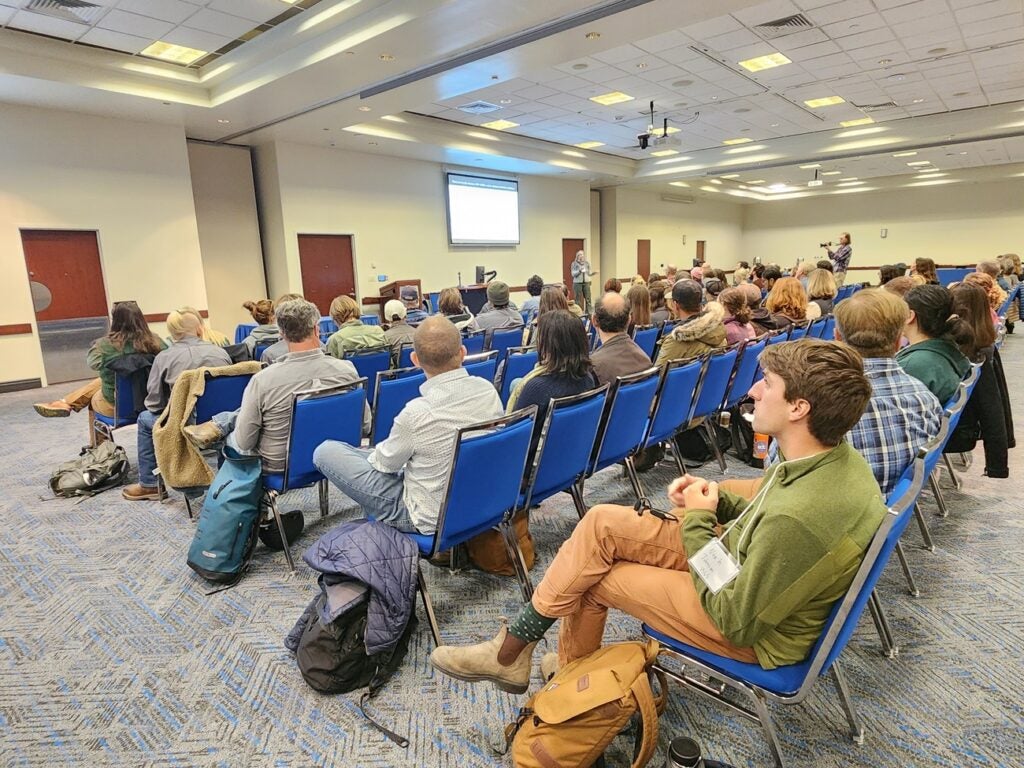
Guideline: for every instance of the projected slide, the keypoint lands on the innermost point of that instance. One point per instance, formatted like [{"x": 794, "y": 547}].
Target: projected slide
[{"x": 482, "y": 211}]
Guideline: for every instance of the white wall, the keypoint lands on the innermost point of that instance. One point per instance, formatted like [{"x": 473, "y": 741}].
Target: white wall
[
  {"x": 954, "y": 224},
  {"x": 229, "y": 234},
  {"x": 394, "y": 208},
  {"x": 128, "y": 181}
]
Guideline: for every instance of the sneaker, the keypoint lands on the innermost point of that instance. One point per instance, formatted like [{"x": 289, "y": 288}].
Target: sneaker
[
  {"x": 476, "y": 663},
  {"x": 548, "y": 666},
  {"x": 202, "y": 436},
  {"x": 56, "y": 409},
  {"x": 137, "y": 492}
]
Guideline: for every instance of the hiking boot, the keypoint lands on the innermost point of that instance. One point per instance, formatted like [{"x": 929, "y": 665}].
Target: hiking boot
[
  {"x": 56, "y": 409},
  {"x": 548, "y": 666},
  {"x": 476, "y": 663},
  {"x": 137, "y": 492},
  {"x": 203, "y": 436}
]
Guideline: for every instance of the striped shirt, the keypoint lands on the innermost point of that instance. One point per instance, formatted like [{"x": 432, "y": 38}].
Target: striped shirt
[{"x": 841, "y": 257}]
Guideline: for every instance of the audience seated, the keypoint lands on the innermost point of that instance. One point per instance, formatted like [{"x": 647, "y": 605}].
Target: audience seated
[
  {"x": 902, "y": 414},
  {"x": 618, "y": 354},
  {"x": 533, "y": 287},
  {"x": 671, "y": 274},
  {"x": 129, "y": 335},
  {"x": 802, "y": 272},
  {"x": 653, "y": 278},
  {"x": 352, "y": 333},
  {"x": 402, "y": 480},
  {"x": 397, "y": 332},
  {"x": 1009, "y": 281},
  {"x": 787, "y": 303},
  {"x": 737, "y": 316},
  {"x": 899, "y": 286},
  {"x": 741, "y": 274},
  {"x": 760, "y": 317},
  {"x": 278, "y": 349},
  {"x": 996, "y": 295},
  {"x": 500, "y": 314},
  {"x": 712, "y": 290},
  {"x": 888, "y": 272},
  {"x": 770, "y": 275},
  {"x": 613, "y": 285},
  {"x": 757, "y": 276},
  {"x": 265, "y": 332},
  {"x": 825, "y": 264},
  {"x": 575, "y": 309},
  {"x": 925, "y": 267},
  {"x": 262, "y": 425},
  {"x": 822, "y": 290},
  {"x": 207, "y": 333},
  {"x": 187, "y": 352},
  {"x": 659, "y": 308},
  {"x": 639, "y": 298},
  {"x": 699, "y": 330},
  {"x": 449, "y": 304},
  {"x": 936, "y": 334},
  {"x": 414, "y": 311},
  {"x": 799, "y": 542}
]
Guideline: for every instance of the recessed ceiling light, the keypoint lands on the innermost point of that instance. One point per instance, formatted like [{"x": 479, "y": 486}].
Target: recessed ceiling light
[
  {"x": 898, "y": 76},
  {"x": 962, "y": 93},
  {"x": 858, "y": 121},
  {"x": 392, "y": 118},
  {"x": 715, "y": 181},
  {"x": 779, "y": 187},
  {"x": 499, "y": 125},
  {"x": 937, "y": 51},
  {"x": 505, "y": 101},
  {"x": 730, "y": 142},
  {"x": 917, "y": 101},
  {"x": 963, "y": 153},
  {"x": 665, "y": 153},
  {"x": 916, "y": 163},
  {"x": 714, "y": 98},
  {"x": 930, "y": 175},
  {"x": 811, "y": 165},
  {"x": 642, "y": 65},
  {"x": 682, "y": 83},
  {"x": 178, "y": 54},
  {"x": 386, "y": 57},
  {"x": 825, "y": 101},
  {"x": 580, "y": 66},
  {"x": 679, "y": 184},
  {"x": 590, "y": 144},
  {"x": 765, "y": 62},
  {"x": 756, "y": 181},
  {"x": 853, "y": 183},
  {"x": 593, "y": 35},
  {"x": 222, "y": 121},
  {"x": 774, "y": 125},
  {"x": 904, "y": 154},
  {"x": 741, "y": 111},
  {"x": 830, "y": 173},
  {"x": 672, "y": 129},
  {"x": 849, "y": 178},
  {"x": 572, "y": 153},
  {"x": 364, "y": 109},
  {"x": 731, "y": 176},
  {"x": 615, "y": 97},
  {"x": 883, "y": 62}
]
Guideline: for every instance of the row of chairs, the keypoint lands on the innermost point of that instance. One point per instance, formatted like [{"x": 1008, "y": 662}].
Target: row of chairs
[{"x": 327, "y": 327}]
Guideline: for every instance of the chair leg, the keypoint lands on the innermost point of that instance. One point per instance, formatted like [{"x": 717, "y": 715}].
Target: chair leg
[
  {"x": 928, "y": 543},
  {"x": 428, "y": 606},
  {"x": 518, "y": 560},
  {"x": 856, "y": 729},
  {"x": 577, "y": 497},
  {"x": 323, "y": 489},
  {"x": 634, "y": 479},
  {"x": 911, "y": 583},
  {"x": 188, "y": 506},
  {"x": 957, "y": 482},
  {"x": 272, "y": 497},
  {"x": 889, "y": 647},
  {"x": 967, "y": 459},
  {"x": 709, "y": 427},
  {"x": 761, "y": 707},
  {"x": 937, "y": 492},
  {"x": 676, "y": 455}
]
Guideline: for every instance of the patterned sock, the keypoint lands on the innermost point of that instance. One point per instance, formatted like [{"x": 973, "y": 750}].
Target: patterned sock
[{"x": 530, "y": 625}]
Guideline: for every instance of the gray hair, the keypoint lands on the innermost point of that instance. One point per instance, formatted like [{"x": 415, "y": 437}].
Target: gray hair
[{"x": 297, "y": 320}]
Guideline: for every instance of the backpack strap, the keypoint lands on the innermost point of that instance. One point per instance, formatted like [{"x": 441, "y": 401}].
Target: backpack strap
[
  {"x": 375, "y": 684},
  {"x": 648, "y": 710}
]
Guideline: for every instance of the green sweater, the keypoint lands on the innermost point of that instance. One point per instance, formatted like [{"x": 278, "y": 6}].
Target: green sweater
[
  {"x": 802, "y": 551},
  {"x": 354, "y": 335},
  {"x": 101, "y": 354},
  {"x": 936, "y": 363}
]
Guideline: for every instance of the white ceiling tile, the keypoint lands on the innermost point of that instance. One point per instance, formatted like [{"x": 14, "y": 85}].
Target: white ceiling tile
[
  {"x": 47, "y": 25},
  {"x": 939, "y": 22},
  {"x": 174, "y": 11},
  {"x": 800, "y": 39},
  {"x": 866, "y": 39},
  {"x": 847, "y": 9},
  {"x": 854, "y": 25},
  {"x": 664, "y": 41},
  {"x": 118, "y": 41},
  {"x": 134, "y": 24},
  {"x": 219, "y": 23},
  {"x": 993, "y": 38},
  {"x": 621, "y": 53},
  {"x": 203, "y": 41},
  {"x": 759, "y": 14},
  {"x": 815, "y": 51},
  {"x": 915, "y": 11},
  {"x": 568, "y": 84},
  {"x": 987, "y": 10},
  {"x": 254, "y": 10},
  {"x": 682, "y": 55},
  {"x": 711, "y": 28},
  {"x": 536, "y": 92},
  {"x": 5, "y": 14},
  {"x": 732, "y": 40}
]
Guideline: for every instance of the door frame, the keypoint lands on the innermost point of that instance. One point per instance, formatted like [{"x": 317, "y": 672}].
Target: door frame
[
  {"x": 355, "y": 259},
  {"x": 561, "y": 273}
]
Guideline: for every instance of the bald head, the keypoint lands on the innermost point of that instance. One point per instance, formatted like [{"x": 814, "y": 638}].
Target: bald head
[
  {"x": 611, "y": 313},
  {"x": 437, "y": 346}
]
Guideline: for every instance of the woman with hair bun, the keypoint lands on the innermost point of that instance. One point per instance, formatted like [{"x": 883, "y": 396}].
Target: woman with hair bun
[
  {"x": 936, "y": 335},
  {"x": 266, "y": 331}
]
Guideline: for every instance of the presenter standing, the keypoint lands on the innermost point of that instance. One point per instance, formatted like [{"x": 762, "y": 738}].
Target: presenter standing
[
  {"x": 840, "y": 257},
  {"x": 581, "y": 273}
]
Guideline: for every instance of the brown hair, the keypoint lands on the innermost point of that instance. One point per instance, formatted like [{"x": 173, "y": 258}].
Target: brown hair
[
  {"x": 734, "y": 300},
  {"x": 128, "y": 326},
  {"x": 788, "y": 298},
  {"x": 343, "y": 309},
  {"x": 996, "y": 295},
  {"x": 262, "y": 311},
  {"x": 639, "y": 297},
  {"x": 562, "y": 345},
  {"x": 971, "y": 304},
  {"x": 552, "y": 298},
  {"x": 829, "y": 376},
  {"x": 925, "y": 267},
  {"x": 287, "y": 297},
  {"x": 613, "y": 284},
  {"x": 989, "y": 267},
  {"x": 449, "y": 302},
  {"x": 899, "y": 286},
  {"x": 871, "y": 321}
]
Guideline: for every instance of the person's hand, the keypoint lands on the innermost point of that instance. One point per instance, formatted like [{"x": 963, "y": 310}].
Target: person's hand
[
  {"x": 680, "y": 484},
  {"x": 701, "y": 495}
]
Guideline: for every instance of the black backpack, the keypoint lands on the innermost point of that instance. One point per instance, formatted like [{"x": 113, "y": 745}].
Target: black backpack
[{"x": 332, "y": 658}]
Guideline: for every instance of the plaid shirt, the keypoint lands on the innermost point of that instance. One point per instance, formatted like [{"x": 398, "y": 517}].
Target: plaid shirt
[{"x": 841, "y": 257}]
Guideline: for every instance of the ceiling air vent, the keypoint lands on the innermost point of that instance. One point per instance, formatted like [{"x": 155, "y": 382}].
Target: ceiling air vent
[
  {"x": 784, "y": 26},
  {"x": 70, "y": 10},
  {"x": 876, "y": 107},
  {"x": 478, "y": 108}
]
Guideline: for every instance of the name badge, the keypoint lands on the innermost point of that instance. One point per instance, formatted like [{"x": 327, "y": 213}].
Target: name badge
[{"x": 715, "y": 566}]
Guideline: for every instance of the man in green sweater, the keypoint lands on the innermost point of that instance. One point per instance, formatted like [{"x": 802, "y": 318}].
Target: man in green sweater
[{"x": 794, "y": 547}]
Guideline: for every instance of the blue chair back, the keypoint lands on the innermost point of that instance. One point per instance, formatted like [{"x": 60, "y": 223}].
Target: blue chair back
[
  {"x": 434, "y": 297},
  {"x": 567, "y": 441},
  {"x": 259, "y": 349},
  {"x": 125, "y": 412},
  {"x": 948, "y": 275},
  {"x": 519, "y": 361},
  {"x": 797, "y": 332},
  {"x": 242, "y": 330},
  {"x": 624, "y": 421},
  {"x": 393, "y": 391},
  {"x": 405, "y": 356},
  {"x": 646, "y": 337},
  {"x": 220, "y": 394},
  {"x": 746, "y": 371},
  {"x": 484, "y": 365},
  {"x": 714, "y": 383},
  {"x": 502, "y": 340},
  {"x": 828, "y": 333},
  {"x": 474, "y": 342},
  {"x": 319, "y": 415},
  {"x": 817, "y": 327},
  {"x": 369, "y": 319},
  {"x": 370, "y": 362},
  {"x": 487, "y": 471},
  {"x": 676, "y": 395},
  {"x": 592, "y": 330},
  {"x": 327, "y": 326}
]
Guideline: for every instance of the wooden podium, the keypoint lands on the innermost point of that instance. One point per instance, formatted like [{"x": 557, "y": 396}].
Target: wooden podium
[{"x": 391, "y": 290}]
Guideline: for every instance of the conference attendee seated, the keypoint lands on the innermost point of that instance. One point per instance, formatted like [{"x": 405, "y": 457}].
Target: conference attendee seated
[
  {"x": 639, "y": 298},
  {"x": 575, "y": 309},
  {"x": 671, "y": 274},
  {"x": 207, "y": 333},
  {"x": 533, "y": 287},
  {"x": 821, "y": 290},
  {"x": 613, "y": 285},
  {"x": 403, "y": 479},
  {"x": 741, "y": 274},
  {"x": 936, "y": 334},
  {"x": 760, "y": 317},
  {"x": 352, "y": 334},
  {"x": 449, "y": 304},
  {"x": 888, "y": 272},
  {"x": 188, "y": 351},
  {"x": 265, "y": 333},
  {"x": 925, "y": 267},
  {"x": 769, "y": 276},
  {"x": 263, "y": 422},
  {"x": 398, "y": 331},
  {"x": 799, "y": 542},
  {"x": 129, "y": 335},
  {"x": 414, "y": 311},
  {"x": 659, "y": 308},
  {"x": 618, "y": 354},
  {"x": 825, "y": 264},
  {"x": 279, "y": 349},
  {"x": 902, "y": 414},
  {"x": 787, "y": 303},
  {"x": 500, "y": 314},
  {"x": 737, "y": 316},
  {"x": 996, "y": 295},
  {"x": 552, "y": 298},
  {"x": 699, "y": 331},
  {"x": 899, "y": 286}
]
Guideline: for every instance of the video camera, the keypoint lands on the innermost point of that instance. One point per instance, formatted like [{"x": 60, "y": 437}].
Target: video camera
[{"x": 825, "y": 245}]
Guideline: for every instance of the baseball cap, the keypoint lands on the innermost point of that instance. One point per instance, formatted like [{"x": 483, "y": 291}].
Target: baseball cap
[
  {"x": 409, "y": 293},
  {"x": 497, "y": 293},
  {"x": 394, "y": 310},
  {"x": 687, "y": 294}
]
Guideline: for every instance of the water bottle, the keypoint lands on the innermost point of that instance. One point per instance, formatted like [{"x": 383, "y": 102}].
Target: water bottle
[
  {"x": 760, "y": 446},
  {"x": 684, "y": 752}
]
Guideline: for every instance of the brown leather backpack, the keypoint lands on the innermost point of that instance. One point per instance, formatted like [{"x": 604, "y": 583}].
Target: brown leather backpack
[{"x": 488, "y": 553}]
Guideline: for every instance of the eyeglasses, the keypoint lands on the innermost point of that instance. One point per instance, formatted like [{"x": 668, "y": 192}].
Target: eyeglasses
[{"x": 129, "y": 303}]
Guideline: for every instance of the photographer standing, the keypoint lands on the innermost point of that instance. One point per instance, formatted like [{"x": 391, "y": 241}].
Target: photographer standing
[
  {"x": 581, "y": 272},
  {"x": 840, "y": 257}
]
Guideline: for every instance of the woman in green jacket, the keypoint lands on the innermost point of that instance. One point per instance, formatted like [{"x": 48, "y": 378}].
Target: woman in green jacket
[
  {"x": 352, "y": 333},
  {"x": 936, "y": 334}
]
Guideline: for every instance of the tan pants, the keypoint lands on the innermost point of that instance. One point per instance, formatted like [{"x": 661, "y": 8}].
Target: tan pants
[
  {"x": 840, "y": 279},
  {"x": 616, "y": 559},
  {"x": 90, "y": 395}
]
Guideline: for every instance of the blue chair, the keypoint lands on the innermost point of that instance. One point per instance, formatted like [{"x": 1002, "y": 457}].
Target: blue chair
[
  {"x": 746, "y": 372},
  {"x": 677, "y": 390},
  {"x": 405, "y": 356},
  {"x": 773, "y": 338},
  {"x": 370, "y": 362},
  {"x": 817, "y": 327},
  {"x": 484, "y": 365},
  {"x": 393, "y": 391},
  {"x": 220, "y": 394},
  {"x": 125, "y": 412},
  {"x": 327, "y": 326},
  {"x": 828, "y": 333},
  {"x": 433, "y": 298},
  {"x": 622, "y": 429},
  {"x": 488, "y": 465},
  {"x": 714, "y": 384},
  {"x": 499, "y": 341},
  {"x": 474, "y": 342},
  {"x": 798, "y": 331},
  {"x": 519, "y": 361},
  {"x": 955, "y": 409},
  {"x": 952, "y": 275},
  {"x": 242, "y": 330},
  {"x": 369, "y": 319},
  {"x": 792, "y": 683},
  {"x": 334, "y": 413},
  {"x": 646, "y": 337},
  {"x": 259, "y": 349}
]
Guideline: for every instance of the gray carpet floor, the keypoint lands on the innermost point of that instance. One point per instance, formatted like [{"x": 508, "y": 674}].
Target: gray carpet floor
[{"x": 111, "y": 653}]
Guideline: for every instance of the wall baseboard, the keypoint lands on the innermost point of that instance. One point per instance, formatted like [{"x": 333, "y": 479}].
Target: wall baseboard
[{"x": 20, "y": 384}]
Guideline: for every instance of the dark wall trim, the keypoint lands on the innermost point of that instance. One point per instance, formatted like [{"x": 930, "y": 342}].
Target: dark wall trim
[
  {"x": 159, "y": 317},
  {"x": 20, "y": 384},
  {"x": 15, "y": 329}
]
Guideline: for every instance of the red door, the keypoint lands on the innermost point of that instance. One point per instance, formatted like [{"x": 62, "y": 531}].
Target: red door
[
  {"x": 327, "y": 268},
  {"x": 643, "y": 258},
  {"x": 570, "y": 246}
]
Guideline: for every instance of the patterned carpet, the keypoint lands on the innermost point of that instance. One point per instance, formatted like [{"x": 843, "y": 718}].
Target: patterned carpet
[{"x": 111, "y": 653}]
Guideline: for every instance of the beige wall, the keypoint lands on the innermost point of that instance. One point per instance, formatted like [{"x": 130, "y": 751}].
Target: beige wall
[
  {"x": 955, "y": 224},
  {"x": 128, "y": 181}
]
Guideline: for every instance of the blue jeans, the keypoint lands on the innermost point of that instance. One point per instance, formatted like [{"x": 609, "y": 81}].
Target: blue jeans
[
  {"x": 378, "y": 493},
  {"x": 225, "y": 422},
  {"x": 147, "y": 453}
]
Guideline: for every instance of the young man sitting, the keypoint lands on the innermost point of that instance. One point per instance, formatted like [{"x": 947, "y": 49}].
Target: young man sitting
[
  {"x": 403, "y": 479},
  {"x": 797, "y": 544},
  {"x": 700, "y": 330}
]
